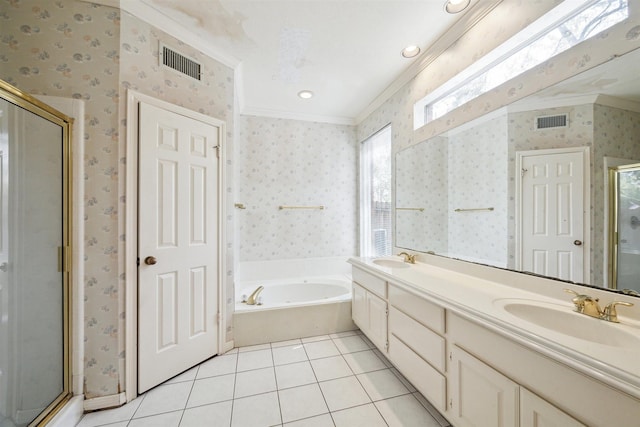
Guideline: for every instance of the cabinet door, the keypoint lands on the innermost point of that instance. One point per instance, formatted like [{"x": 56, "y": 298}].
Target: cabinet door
[
  {"x": 481, "y": 396},
  {"x": 536, "y": 412},
  {"x": 359, "y": 311},
  {"x": 377, "y": 321}
]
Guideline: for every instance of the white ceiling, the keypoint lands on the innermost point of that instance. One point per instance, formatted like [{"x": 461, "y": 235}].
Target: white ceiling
[
  {"x": 346, "y": 51},
  {"x": 618, "y": 78}
]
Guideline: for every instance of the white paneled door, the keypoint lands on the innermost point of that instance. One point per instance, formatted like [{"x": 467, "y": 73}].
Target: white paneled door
[
  {"x": 551, "y": 217},
  {"x": 177, "y": 244}
]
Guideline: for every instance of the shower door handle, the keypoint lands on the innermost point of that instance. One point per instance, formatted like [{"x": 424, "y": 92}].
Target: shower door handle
[{"x": 150, "y": 260}]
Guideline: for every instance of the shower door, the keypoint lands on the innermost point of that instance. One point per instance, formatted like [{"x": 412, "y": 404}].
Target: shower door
[
  {"x": 625, "y": 235},
  {"x": 34, "y": 236}
]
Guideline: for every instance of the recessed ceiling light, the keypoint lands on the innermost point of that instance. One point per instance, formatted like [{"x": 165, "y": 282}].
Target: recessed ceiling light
[
  {"x": 410, "y": 51},
  {"x": 305, "y": 94},
  {"x": 456, "y": 6}
]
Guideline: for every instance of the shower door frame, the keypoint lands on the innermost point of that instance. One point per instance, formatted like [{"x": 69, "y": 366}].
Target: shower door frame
[
  {"x": 614, "y": 191},
  {"x": 29, "y": 103}
]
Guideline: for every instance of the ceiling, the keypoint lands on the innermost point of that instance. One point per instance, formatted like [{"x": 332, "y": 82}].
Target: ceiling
[
  {"x": 618, "y": 78},
  {"x": 347, "y": 52}
]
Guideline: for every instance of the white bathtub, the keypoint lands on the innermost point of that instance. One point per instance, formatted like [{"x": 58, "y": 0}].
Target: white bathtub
[
  {"x": 293, "y": 308},
  {"x": 295, "y": 291}
]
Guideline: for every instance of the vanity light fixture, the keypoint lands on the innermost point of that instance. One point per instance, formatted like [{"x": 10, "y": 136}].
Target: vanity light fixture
[
  {"x": 305, "y": 94},
  {"x": 410, "y": 51},
  {"x": 456, "y": 6}
]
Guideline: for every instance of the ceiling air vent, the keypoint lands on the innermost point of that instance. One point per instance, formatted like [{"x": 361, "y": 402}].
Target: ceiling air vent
[
  {"x": 172, "y": 59},
  {"x": 550, "y": 122}
]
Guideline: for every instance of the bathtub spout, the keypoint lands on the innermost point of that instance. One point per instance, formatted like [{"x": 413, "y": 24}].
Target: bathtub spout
[{"x": 253, "y": 298}]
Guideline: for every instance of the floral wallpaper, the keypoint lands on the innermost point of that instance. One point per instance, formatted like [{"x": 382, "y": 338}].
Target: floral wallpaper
[
  {"x": 421, "y": 178},
  {"x": 71, "y": 49},
  {"x": 616, "y": 133},
  {"x": 478, "y": 180},
  {"x": 290, "y": 162},
  {"x": 82, "y": 50}
]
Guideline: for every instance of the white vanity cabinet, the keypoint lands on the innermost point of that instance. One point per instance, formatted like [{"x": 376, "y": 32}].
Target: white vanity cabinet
[
  {"x": 416, "y": 345},
  {"x": 477, "y": 371},
  {"x": 479, "y": 392},
  {"x": 369, "y": 307}
]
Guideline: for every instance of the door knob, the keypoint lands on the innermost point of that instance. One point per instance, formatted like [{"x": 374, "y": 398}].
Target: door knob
[
  {"x": 577, "y": 242},
  {"x": 150, "y": 260}
]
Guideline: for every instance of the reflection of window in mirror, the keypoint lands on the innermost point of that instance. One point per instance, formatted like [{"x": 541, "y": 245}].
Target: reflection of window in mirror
[
  {"x": 375, "y": 194},
  {"x": 560, "y": 29}
]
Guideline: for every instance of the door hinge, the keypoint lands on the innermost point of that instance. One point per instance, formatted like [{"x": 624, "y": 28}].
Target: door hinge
[
  {"x": 386, "y": 311},
  {"x": 523, "y": 171},
  {"x": 451, "y": 356},
  {"x": 138, "y": 261},
  {"x": 450, "y": 403},
  {"x": 386, "y": 345},
  {"x": 217, "y": 147}
]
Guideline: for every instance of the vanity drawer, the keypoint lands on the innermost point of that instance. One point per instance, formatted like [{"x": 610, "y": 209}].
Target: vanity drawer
[
  {"x": 426, "y": 343},
  {"x": 429, "y": 314},
  {"x": 370, "y": 282},
  {"x": 431, "y": 383}
]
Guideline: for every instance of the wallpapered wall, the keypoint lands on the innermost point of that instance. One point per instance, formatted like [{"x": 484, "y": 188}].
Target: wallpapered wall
[
  {"x": 80, "y": 50},
  {"x": 290, "y": 162},
  {"x": 421, "y": 183},
  {"x": 616, "y": 133},
  {"x": 71, "y": 49},
  {"x": 478, "y": 179}
]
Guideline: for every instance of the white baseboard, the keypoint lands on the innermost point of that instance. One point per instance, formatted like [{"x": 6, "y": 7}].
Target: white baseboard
[
  {"x": 227, "y": 346},
  {"x": 70, "y": 414},
  {"x": 104, "y": 402}
]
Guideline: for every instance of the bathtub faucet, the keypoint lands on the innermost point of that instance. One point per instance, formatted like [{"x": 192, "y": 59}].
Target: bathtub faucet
[{"x": 253, "y": 298}]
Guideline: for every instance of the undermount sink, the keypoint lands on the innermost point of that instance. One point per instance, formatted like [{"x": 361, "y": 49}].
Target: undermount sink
[
  {"x": 562, "y": 319},
  {"x": 391, "y": 263}
]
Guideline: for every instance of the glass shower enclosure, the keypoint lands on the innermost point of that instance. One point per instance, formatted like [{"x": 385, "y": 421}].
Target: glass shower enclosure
[
  {"x": 625, "y": 228},
  {"x": 34, "y": 259}
]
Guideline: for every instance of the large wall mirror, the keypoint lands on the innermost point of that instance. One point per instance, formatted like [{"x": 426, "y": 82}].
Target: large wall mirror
[{"x": 526, "y": 187}]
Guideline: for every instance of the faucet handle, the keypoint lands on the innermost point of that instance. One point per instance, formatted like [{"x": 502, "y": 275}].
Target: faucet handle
[
  {"x": 584, "y": 303},
  {"x": 411, "y": 259},
  {"x": 610, "y": 313}
]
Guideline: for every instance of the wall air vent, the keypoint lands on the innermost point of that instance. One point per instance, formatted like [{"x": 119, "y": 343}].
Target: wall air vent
[
  {"x": 550, "y": 122},
  {"x": 172, "y": 59}
]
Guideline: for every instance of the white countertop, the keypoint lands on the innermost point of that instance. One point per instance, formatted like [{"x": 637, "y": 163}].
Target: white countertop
[{"x": 479, "y": 300}]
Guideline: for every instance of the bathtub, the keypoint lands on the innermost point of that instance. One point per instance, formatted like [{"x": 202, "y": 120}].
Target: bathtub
[
  {"x": 295, "y": 291},
  {"x": 293, "y": 307}
]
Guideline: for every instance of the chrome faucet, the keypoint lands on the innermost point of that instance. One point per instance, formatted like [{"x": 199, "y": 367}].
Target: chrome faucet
[
  {"x": 253, "y": 298},
  {"x": 588, "y": 305},
  {"x": 411, "y": 259}
]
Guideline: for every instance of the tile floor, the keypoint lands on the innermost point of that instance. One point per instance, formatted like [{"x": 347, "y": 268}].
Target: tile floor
[{"x": 330, "y": 380}]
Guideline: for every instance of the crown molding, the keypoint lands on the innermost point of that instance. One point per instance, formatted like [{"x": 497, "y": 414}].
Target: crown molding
[
  {"x": 147, "y": 13},
  {"x": 275, "y": 114},
  {"x": 464, "y": 24}
]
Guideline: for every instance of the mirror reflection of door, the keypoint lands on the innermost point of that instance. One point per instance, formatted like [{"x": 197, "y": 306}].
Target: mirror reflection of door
[
  {"x": 550, "y": 220},
  {"x": 625, "y": 236}
]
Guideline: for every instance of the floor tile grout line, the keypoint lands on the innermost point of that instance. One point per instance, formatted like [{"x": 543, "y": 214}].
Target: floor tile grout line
[
  {"x": 193, "y": 383},
  {"x": 318, "y": 385},
  {"x": 233, "y": 392}
]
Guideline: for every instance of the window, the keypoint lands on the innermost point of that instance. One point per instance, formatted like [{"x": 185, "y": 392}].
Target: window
[
  {"x": 560, "y": 29},
  {"x": 375, "y": 195}
]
